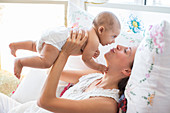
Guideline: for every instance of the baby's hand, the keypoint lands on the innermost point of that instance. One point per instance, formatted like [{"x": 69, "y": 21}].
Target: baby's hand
[
  {"x": 102, "y": 68},
  {"x": 96, "y": 54}
]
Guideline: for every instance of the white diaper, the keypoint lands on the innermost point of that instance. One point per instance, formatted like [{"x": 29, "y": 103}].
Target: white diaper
[{"x": 55, "y": 37}]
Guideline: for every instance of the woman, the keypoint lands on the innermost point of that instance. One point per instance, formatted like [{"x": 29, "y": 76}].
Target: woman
[
  {"x": 96, "y": 93},
  {"x": 93, "y": 93}
]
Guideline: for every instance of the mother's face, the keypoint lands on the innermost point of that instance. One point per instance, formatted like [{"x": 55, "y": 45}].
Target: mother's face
[{"x": 120, "y": 56}]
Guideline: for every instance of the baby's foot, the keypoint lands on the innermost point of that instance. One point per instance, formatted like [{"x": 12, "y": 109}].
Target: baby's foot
[
  {"x": 17, "y": 68},
  {"x": 96, "y": 54},
  {"x": 13, "y": 49}
]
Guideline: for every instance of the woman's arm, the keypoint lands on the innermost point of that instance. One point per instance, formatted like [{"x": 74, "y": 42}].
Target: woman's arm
[
  {"x": 72, "y": 46},
  {"x": 73, "y": 76}
]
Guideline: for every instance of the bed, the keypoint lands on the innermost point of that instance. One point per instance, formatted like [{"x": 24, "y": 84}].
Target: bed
[{"x": 148, "y": 88}]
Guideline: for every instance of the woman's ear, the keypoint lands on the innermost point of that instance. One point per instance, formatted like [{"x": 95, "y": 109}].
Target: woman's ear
[
  {"x": 126, "y": 72},
  {"x": 101, "y": 29}
]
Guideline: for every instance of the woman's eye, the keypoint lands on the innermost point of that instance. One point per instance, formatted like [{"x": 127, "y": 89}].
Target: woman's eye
[{"x": 125, "y": 50}]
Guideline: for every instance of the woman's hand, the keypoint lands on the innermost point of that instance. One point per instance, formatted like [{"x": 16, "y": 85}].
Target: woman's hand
[{"x": 74, "y": 43}]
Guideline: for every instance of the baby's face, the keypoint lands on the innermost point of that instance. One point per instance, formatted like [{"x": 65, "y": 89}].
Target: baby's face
[{"x": 108, "y": 37}]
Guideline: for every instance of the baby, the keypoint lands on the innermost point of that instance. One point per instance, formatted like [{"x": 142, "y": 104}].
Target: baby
[{"x": 105, "y": 28}]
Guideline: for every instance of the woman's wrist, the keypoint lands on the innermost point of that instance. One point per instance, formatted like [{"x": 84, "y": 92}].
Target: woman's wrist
[{"x": 64, "y": 54}]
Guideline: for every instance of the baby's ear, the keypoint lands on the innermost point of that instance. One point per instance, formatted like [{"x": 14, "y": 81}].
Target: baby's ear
[{"x": 101, "y": 29}]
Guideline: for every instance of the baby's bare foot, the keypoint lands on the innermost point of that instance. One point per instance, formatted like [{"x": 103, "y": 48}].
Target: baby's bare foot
[
  {"x": 17, "y": 68},
  {"x": 13, "y": 49}
]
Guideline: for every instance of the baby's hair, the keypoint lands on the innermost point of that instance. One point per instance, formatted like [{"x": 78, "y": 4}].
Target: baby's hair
[{"x": 106, "y": 19}]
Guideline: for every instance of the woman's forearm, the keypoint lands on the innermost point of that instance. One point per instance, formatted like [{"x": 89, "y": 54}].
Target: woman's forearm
[
  {"x": 50, "y": 87},
  {"x": 48, "y": 98}
]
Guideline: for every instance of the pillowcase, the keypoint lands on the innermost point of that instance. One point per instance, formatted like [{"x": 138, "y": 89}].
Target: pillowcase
[
  {"x": 132, "y": 29},
  {"x": 31, "y": 85},
  {"x": 78, "y": 17},
  {"x": 148, "y": 88},
  {"x": 8, "y": 82}
]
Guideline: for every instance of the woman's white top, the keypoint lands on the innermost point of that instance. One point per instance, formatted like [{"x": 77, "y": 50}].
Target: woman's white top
[
  {"x": 77, "y": 92},
  {"x": 74, "y": 93}
]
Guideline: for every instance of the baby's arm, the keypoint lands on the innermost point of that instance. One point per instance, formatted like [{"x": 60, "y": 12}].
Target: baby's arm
[{"x": 87, "y": 57}]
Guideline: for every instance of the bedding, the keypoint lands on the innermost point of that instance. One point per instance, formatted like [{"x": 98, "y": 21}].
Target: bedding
[
  {"x": 148, "y": 88},
  {"x": 8, "y": 82},
  {"x": 32, "y": 84},
  {"x": 30, "y": 87}
]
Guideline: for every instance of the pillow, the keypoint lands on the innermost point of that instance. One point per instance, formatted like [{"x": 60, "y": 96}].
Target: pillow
[
  {"x": 31, "y": 85},
  {"x": 78, "y": 17},
  {"x": 148, "y": 88},
  {"x": 132, "y": 30},
  {"x": 8, "y": 82}
]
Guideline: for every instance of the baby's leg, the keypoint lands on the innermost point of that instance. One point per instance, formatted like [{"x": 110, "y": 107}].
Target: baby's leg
[
  {"x": 7, "y": 103},
  {"x": 46, "y": 59},
  {"x": 27, "y": 45}
]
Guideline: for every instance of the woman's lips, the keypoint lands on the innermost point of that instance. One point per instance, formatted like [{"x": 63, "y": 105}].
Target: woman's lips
[{"x": 113, "y": 50}]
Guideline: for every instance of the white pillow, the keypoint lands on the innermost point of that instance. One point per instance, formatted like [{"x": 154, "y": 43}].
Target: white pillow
[
  {"x": 30, "y": 87},
  {"x": 132, "y": 30},
  {"x": 78, "y": 17},
  {"x": 148, "y": 88}
]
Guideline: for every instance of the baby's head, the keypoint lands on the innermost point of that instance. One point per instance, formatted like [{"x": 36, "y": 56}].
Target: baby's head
[{"x": 107, "y": 27}]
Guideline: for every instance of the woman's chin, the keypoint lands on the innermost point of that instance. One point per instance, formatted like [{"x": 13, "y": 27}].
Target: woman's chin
[{"x": 106, "y": 56}]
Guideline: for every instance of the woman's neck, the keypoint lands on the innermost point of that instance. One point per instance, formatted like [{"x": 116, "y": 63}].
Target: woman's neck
[{"x": 108, "y": 82}]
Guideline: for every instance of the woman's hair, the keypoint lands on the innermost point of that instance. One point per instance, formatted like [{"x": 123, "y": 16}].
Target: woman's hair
[{"x": 123, "y": 82}]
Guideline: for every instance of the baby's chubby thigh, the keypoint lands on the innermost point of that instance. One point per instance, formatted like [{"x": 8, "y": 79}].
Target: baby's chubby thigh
[{"x": 48, "y": 54}]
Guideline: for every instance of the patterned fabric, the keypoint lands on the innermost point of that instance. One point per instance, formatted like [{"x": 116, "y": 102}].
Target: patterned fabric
[
  {"x": 78, "y": 17},
  {"x": 8, "y": 82},
  {"x": 148, "y": 88},
  {"x": 135, "y": 24},
  {"x": 122, "y": 104},
  {"x": 66, "y": 88}
]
